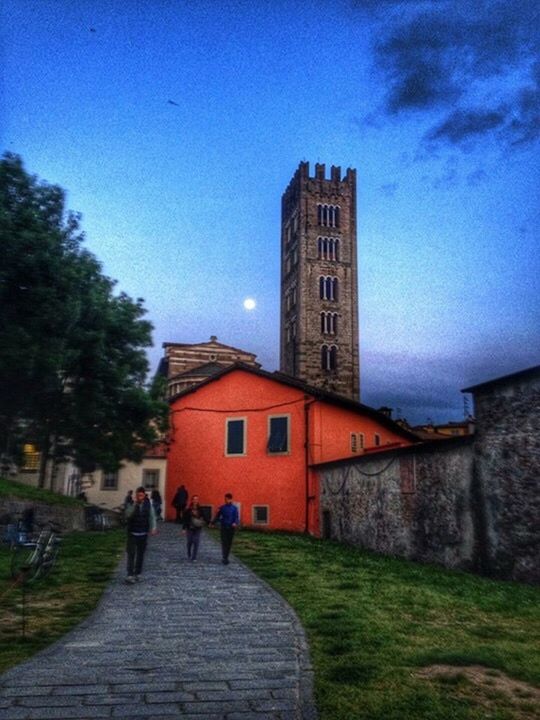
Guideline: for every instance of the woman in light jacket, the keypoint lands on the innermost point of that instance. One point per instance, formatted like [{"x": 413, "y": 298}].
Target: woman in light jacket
[{"x": 193, "y": 523}]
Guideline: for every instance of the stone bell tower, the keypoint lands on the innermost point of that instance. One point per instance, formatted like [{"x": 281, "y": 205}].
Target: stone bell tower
[{"x": 319, "y": 280}]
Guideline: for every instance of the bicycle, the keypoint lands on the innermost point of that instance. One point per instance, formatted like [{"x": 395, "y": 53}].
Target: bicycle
[{"x": 33, "y": 559}]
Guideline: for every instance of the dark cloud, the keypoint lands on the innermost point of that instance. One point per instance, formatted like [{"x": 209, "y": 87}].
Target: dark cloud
[
  {"x": 394, "y": 379},
  {"x": 471, "y": 64},
  {"x": 463, "y": 124}
]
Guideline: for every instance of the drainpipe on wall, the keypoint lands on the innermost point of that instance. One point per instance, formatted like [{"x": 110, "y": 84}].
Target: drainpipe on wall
[{"x": 307, "y": 403}]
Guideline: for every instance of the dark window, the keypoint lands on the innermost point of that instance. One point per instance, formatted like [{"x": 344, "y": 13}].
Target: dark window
[
  {"x": 328, "y": 357},
  {"x": 278, "y": 435},
  {"x": 110, "y": 481},
  {"x": 206, "y": 512},
  {"x": 151, "y": 479},
  {"x": 377, "y": 439},
  {"x": 260, "y": 514},
  {"x": 328, "y": 248},
  {"x": 328, "y": 288},
  {"x": 328, "y": 323},
  {"x": 235, "y": 437},
  {"x": 328, "y": 215},
  {"x": 333, "y": 357}
]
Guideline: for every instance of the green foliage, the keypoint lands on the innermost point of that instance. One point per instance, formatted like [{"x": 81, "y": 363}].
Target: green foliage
[
  {"x": 72, "y": 352},
  {"x": 375, "y": 623},
  {"x": 60, "y": 601}
]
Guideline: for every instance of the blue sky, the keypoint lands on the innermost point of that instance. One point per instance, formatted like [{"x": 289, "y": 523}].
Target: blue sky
[{"x": 436, "y": 104}]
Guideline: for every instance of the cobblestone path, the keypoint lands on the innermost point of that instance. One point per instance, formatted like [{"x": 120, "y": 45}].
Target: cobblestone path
[{"x": 198, "y": 641}]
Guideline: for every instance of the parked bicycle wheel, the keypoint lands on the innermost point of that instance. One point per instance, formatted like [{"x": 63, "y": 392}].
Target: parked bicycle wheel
[
  {"x": 48, "y": 556},
  {"x": 24, "y": 562}
]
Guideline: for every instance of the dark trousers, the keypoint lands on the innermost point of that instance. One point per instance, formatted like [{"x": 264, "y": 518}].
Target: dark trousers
[
  {"x": 227, "y": 535},
  {"x": 179, "y": 513},
  {"x": 136, "y": 545},
  {"x": 193, "y": 538}
]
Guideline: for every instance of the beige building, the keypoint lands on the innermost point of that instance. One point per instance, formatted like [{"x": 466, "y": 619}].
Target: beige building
[
  {"x": 108, "y": 490},
  {"x": 319, "y": 285}
]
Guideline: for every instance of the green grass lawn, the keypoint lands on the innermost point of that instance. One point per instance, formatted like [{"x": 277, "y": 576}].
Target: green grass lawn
[
  {"x": 394, "y": 640},
  {"x": 60, "y": 601}
]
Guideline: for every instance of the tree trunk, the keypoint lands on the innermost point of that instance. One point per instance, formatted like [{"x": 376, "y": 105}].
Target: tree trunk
[{"x": 44, "y": 456}]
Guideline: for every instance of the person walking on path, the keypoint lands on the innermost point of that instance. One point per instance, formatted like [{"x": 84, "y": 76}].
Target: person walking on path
[
  {"x": 155, "y": 497},
  {"x": 128, "y": 500},
  {"x": 179, "y": 502},
  {"x": 141, "y": 520},
  {"x": 227, "y": 516},
  {"x": 193, "y": 523}
]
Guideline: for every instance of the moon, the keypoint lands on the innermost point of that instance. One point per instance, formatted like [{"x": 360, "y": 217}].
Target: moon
[{"x": 249, "y": 304}]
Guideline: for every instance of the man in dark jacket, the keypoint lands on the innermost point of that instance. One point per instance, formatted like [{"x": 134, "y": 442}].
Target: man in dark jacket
[
  {"x": 227, "y": 516},
  {"x": 179, "y": 502},
  {"x": 141, "y": 520}
]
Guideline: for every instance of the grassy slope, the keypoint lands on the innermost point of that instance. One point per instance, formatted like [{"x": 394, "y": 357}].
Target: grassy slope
[
  {"x": 374, "y": 622},
  {"x": 59, "y": 602},
  {"x": 28, "y": 492}
]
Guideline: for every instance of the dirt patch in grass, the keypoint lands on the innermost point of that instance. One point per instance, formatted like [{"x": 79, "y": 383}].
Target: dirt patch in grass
[{"x": 487, "y": 687}]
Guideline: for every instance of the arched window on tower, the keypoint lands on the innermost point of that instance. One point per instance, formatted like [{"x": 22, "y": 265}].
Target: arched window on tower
[
  {"x": 328, "y": 215},
  {"x": 328, "y": 357},
  {"x": 328, "y": 248},
  {"x": 328, "y": 323},
  {"x": 328, "y": 287},
  {"x": 324, "y": 357}
]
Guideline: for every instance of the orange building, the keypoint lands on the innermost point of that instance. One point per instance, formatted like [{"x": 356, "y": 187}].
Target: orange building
[{"x": 255, "y": 434}]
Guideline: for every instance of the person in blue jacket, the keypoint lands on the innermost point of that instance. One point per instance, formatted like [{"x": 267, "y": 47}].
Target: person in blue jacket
[{"x": 227, "y": 516}]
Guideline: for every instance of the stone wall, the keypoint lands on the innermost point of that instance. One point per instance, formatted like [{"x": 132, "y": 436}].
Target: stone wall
[
  {"x": 471, "y": 502},
  {"x": 414, "y": 503},
  {"x": 68, "y": 517},
  {"x": 507, "y": 462}
]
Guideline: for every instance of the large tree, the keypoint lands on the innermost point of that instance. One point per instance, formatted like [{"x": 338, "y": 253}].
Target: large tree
[{"x": 72, "y": 350}]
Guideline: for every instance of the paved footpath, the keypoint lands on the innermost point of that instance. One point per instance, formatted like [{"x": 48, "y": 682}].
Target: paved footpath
[{"x": 198, "y": 641}]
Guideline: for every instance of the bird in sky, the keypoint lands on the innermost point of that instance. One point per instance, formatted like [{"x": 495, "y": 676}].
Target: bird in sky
[{"x": 171, "y": 102}]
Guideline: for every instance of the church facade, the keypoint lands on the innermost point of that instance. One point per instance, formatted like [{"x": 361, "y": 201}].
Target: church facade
[
  {"x": 185, "y": 365},
  {"x": 319, "y": 280}
]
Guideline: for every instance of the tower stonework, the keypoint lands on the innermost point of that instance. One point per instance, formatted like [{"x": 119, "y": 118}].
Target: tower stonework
[{"x": 319, "y": 280}]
